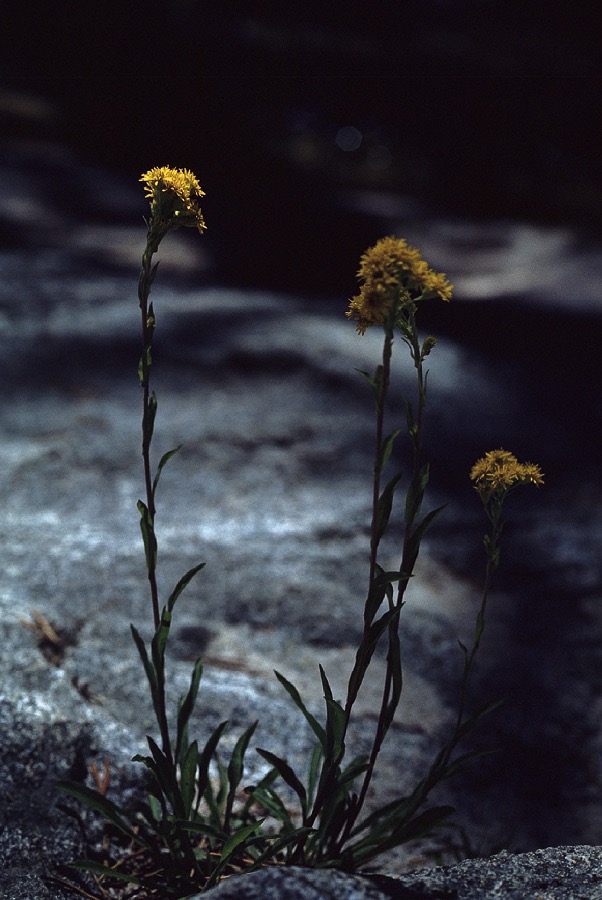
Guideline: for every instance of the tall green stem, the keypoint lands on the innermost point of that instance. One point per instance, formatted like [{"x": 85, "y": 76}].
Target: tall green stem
[
  {"x": 148, "y": 413},
  {"x": 149, "y": 408},
  {"x": 392, "y": 682}
]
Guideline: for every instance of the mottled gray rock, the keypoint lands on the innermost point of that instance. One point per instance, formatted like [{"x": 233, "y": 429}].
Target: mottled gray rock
[
  {"x": 295, "y": 884},
  {"x": 558, "y": 873}
]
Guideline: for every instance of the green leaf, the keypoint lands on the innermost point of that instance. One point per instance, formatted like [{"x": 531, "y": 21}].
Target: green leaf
[
  {"x": 355, "y": 768},
  {"x": 154, "y": 807},
  {"x": 159, "y": 642},
  {"x": 464, "y": 760},
  {"x": 413, "y": 545},
  {"x": 239, "y": 837},
  {"x": 335, "y": 724},
  {"x": 232, "y": 844},
  {"x": 296, "y": 697},
  {"x": 164, "y": 459},
  {"x": 206, "y": 757},
  {"x": 271, "y": 802},
  {"x": 166, "y": 776},
  {"x": 386, "y": 448},
  {"x": 236, "y": 768},
  {"x": 187, "y": 707},
  {"x": 365, "y": 652},
  {"x": 202, "y": 828},
  {"x": 98, "y": 869},
  {"x": 148, "y": 666},
  {"x": 375, "y": 381},
  {"x": 288, "y": 775},
  {"x": 144, "y": 364},
  {"x": 182, "y": 583},
  {"x": 188, "y": 777},
  {"x": 150, "y": 419},
  {"x": 394, "y": 661},
  {"x": 148, "y": 536},
  {"x": 385, "y": 504},
  {"x": 314, "y": 771},
  {"x": 276, "y": 847},
  {"x": 99, "y": 803},
  {"x": 421, "y": 826},
  {"x": 381, "y": 588},
  {"x": 482, "y": 710},
  {"x": 415, "y": 496}
]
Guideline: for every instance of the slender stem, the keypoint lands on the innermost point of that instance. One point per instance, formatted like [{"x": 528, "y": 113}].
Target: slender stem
[
  {"x": 437, "y": 771},
  {"x": 408, "y": 559},
  {"x": 148, "y": 413},
  {"x": 381, "y": 384},
  {"x": 144, "y": 287}
]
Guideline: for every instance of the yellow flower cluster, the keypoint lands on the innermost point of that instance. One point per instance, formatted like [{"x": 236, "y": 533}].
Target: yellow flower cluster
[
  {"x": 174, "y": 196},
  {"x": 499, "y": 470},
  {"x": 393, "y": 273}
]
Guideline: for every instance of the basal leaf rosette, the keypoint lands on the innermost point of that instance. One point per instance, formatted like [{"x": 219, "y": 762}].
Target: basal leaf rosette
[{"x": 393, "y": 274}]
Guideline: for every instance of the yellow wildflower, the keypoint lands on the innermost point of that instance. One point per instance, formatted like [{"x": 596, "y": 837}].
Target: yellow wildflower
[
  {"x": 392, "y": 273},
  {"x": 174, "y": 196},
  {"x": 531, "y": 474},
  {"x": 372, "y": 305},
  {"x": 499, "y": 470}
]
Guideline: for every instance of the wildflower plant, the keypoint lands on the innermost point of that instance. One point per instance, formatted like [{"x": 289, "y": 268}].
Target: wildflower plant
[{"x": 193, "y": 828}]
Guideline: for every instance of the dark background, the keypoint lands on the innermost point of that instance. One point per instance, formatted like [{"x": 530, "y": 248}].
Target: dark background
[{"x": 265, "y": 151}]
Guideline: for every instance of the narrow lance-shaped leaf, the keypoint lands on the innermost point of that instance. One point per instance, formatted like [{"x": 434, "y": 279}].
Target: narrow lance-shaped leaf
[
  {"x": 162, "y": 462},
  {"x": 186, "y": 708},
  {"x": 288, "y": 775},
  {"x": 236, "y": 768},
  {"x": 188, "y": 778},
  {"x": 394, "y": 658},
  {"x": 335, "y": 724},
  {"x": 109, "y": 871},
  {"x": 149, "y": 423},
  {"x": 386, "y": 449},
  {"x": 385, "y": 504},
  {"x": 415, "y": 496},
  {"x": 364, "y": 654},
  {"x": 144, "y": 364},
  {"x": 148, "y": 666},
  {"x": 375, "y": 381},
  {"x": 148, "y": 536},
  {"x": 276, "y": 847},
  {"x": 206, "y": 756},
  {"x": 159, "y": 643},
  {"x": 296, "y": 697},
  {"x": 93, "y": 800},
  {"x": 182, "y": 584},
  {"x": 235, "y": 840},
  {"x": 313, "y": 772},
  {"x": 271, "y": 803}
]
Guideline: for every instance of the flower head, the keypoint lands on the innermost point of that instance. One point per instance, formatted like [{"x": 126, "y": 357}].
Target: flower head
[
  {"x": 393, "y": 273},
  {"x": 174, "y": 196},
  {"x": 499, "y": 471}
]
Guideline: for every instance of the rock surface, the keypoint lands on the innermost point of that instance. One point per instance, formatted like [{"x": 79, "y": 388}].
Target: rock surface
[
  {"x": 561, "y": 873},
  {"x": 271, "y": 490}
]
